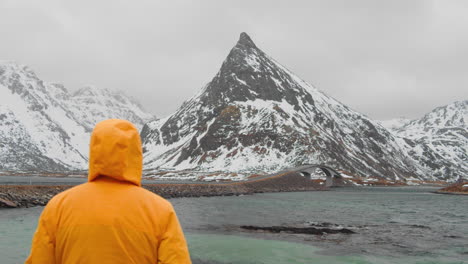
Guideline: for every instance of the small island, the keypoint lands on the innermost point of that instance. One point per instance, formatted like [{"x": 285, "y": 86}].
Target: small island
[{"x": 459, "y": 188}]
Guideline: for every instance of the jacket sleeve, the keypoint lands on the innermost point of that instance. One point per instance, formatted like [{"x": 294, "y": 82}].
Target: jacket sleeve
[
  {"x": 173, "y": 247},
  {"x": 43, "y": 245}
]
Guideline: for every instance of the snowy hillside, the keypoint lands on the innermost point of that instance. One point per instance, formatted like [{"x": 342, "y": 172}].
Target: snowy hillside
[
  {"x": 439, "y": 140},
  {"x": 38, "y": 122},
  {"x": 394, "y": 124},
  {"x": 43, "y": 127},
  {"x": 93, "y": 105},
  {"x": 437, "y": 122},
  {"x": 257, "y": 115}
]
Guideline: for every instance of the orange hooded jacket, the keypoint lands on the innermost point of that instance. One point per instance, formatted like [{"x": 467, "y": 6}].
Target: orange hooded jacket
[{"x": 110, "y": 219}]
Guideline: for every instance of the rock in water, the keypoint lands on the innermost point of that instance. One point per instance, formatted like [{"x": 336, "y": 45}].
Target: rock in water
[
  {"x": 6, "y": 203},
  {"x": 299, "y": 230}
]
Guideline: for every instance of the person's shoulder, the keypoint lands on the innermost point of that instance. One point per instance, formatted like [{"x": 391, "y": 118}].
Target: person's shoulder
[
  {"x": 60, "y": 197},
  {"x": 57, "y": 201},
  {"x": 155, "y": 199}
]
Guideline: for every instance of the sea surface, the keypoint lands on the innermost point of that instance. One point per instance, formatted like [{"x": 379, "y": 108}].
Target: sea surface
[{"x": 392, "y": 225}]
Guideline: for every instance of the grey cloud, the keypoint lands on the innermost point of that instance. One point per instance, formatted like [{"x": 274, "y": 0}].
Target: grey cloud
[{"x": 383, "y": 58}]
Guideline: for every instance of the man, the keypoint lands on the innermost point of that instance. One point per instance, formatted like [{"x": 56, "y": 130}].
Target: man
[{"x": 110, "y": 219}]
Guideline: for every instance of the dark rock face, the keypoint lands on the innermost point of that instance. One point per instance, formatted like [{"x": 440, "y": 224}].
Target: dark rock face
[{"x": 257, "y": 115}]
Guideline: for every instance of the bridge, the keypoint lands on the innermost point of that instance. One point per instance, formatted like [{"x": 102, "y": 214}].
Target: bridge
[
  {"x": 333, "y": 177},
  {"x": 288, "y": 180}
]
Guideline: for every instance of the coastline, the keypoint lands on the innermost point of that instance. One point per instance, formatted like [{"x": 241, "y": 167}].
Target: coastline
[
  {"x": 459, "y": 188},
  {"x": 20, "y": 196},
  {"x": 451, "y": 193}
]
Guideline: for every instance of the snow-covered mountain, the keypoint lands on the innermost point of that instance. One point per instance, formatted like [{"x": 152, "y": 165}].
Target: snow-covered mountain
[
  {"x": 439, "y": 122},
  {"x": 439, "y": 140},
  {"x": 96, "y": 104},
  {"x": 257, "y": 115},
  {"x": 395, "y": 123},
  {"x": 91, "y": 105},
  {"x": 44, "y": 127}
]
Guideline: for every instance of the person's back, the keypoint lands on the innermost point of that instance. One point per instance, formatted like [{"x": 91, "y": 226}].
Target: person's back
[{"x": 110, "y": 219}]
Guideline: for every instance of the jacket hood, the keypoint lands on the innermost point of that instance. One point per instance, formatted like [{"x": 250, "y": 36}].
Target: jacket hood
[{"x": 115, "y": 151}]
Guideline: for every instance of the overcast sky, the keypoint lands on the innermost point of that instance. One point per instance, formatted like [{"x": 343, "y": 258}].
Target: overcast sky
[{"x": 385, "y": 59}]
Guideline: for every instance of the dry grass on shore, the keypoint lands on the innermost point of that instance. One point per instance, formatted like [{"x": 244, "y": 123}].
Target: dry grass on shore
[{"x": 461, "y": 188}]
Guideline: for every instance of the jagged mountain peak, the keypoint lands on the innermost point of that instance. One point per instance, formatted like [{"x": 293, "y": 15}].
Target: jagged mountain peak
[
  {"x": 94, "y": 93},
  {"x": 454, "y": 114},
  {"x": 12, "y": 64},
  {"x": 12, "y": 67},
  {"x": 442, "y": 117},
  {"x": 256, "y": 114},
  {"x": 245, "y": 41},
  {"x": 248, "y": 74},
  {"x": 91, "y": 90}
]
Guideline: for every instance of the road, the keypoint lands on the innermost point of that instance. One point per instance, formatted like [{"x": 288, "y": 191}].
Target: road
[{"x": 40, "y": 180}]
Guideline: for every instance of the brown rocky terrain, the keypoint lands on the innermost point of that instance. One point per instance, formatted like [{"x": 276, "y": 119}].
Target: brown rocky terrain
[
  {"x": 15, "y": 196},
  {"x": 457, "y": 188}
]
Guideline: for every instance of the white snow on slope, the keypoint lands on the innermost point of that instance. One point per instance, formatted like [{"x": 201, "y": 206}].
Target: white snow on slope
[
  {"x": 395, "y": 123},
  {"x": 55, "y": 123},
  {"x": 439, "y": 140},
  {"x": 257, "y": 115}
]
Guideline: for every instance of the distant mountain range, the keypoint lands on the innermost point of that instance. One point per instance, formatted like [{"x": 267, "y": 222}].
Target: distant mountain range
[
  {"x": 254, "y": 115},
  {"x": 438, "y": 141},
  {"x": 44, "y": 127},
  {"x": 257, "y": 115}
]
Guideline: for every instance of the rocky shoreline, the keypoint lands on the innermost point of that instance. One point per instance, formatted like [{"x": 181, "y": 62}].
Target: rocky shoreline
[
  {"x": 459, "y": 188},
  {"x": 451, "y": 193},
  {"x": 20, "y": 196}
]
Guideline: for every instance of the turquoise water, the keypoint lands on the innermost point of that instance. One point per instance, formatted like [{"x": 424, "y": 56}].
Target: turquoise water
[
  {"x": 392, "y": 225},
  {"x": 241, "y": 250}
]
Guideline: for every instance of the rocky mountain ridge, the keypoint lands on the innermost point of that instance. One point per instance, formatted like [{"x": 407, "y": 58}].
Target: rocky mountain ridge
[
  {"x": 439, "y": 140},
  {"x": 44, "y": 127},
  {"x": 255, "y": 114}
]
